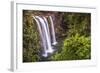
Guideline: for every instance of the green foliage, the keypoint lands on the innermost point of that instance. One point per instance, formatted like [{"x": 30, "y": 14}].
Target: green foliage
[
  {"x": 74, "y": 48},
  {"x": 31, "y": 39},
  {"x": 77, "y": 23}
]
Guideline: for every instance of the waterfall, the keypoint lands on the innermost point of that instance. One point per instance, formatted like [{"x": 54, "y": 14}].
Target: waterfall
[
  {"x": 54, "y": 42},
  {"x": 44, "y": 31}
]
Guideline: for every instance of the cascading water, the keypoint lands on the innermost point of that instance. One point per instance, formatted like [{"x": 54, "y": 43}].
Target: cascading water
[
  {"x": 54, "y": 42},
  {"x": 43, "y": 27}
]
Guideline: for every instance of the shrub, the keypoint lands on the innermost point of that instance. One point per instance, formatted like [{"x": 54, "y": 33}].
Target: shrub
[
  {"x": 31, "y": 41},
  {"x": 74, "y": 48}
]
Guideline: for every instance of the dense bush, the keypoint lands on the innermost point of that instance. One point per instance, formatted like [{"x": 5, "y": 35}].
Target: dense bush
[
  {"x": 74, "y": 48},
  {"x": 77, "y": 23},
  {"x": 31, "y": 39}
]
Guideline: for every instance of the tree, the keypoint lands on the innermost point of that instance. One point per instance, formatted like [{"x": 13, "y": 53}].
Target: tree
[{"x": 74, "y": 48}]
